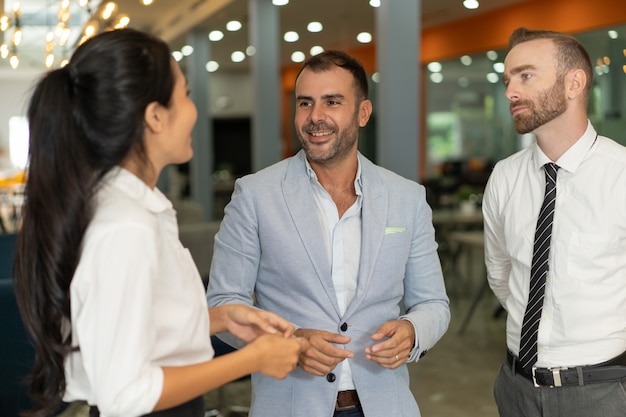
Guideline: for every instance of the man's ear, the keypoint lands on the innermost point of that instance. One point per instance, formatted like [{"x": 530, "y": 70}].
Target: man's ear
[
  {"x": 576, "y": 82},
  {"x": 365, "y": 111},
  {"x": 154, "y": 117}
]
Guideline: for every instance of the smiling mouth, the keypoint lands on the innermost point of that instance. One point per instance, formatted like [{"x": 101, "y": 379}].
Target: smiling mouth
[{"x": 321, "y": 133}]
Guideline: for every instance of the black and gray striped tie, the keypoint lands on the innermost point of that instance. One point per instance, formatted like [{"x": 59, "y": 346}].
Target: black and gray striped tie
[{"x": 538, "y": 271}]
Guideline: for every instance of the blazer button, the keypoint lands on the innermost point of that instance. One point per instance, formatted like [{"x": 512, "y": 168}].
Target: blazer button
[
  {"x": 344, "y": 327},
  {"x": 331, "y": 377}
]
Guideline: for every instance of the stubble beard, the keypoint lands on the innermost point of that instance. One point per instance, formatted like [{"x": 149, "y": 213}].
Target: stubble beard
[
  {"x": 549, "y": 105},
  {"x": 340, "y": 147}
]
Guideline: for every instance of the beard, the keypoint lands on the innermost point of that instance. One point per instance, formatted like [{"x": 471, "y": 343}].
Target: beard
[
  {"x": 549, "y": 105},
  {"x": 343, "y": 142}
]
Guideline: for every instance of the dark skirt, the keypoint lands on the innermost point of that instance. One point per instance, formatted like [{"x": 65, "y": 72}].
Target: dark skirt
[{"x": 193, "y": 408}]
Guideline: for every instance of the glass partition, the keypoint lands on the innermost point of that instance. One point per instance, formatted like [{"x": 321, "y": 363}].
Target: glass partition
[{"x": 468, "y": 125}]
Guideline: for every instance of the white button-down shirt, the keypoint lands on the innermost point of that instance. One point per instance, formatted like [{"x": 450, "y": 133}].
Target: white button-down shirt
[
  {"x": 343, "y": 244},
  {"x": 137, "y": 301},
  {"x": 584, "y": 312}
]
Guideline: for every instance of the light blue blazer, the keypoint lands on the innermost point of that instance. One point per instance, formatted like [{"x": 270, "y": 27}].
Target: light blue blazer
[{"x": 270, "y": 243}]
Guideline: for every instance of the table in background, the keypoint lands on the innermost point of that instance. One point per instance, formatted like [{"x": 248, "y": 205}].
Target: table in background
[{"x": 468, "y": 241}]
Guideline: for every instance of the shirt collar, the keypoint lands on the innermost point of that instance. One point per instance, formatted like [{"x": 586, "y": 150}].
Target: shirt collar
[
  {"x": 573, "y": 157},
  {"x": 358, "y": 185},
  {"x": 129, "y": 184}
]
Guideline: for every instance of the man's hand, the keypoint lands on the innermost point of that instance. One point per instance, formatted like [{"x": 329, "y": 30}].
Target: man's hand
[
  {"x": 394, "y": 351},
  {"x": 321, "y": 356}
]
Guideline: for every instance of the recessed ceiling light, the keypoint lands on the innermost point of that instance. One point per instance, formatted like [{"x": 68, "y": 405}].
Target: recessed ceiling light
[
  {"x": 187, "y": 50},
  {"x": 364, "y": 37},
  {"x": 470, "y": 4},
  {"x": 212, "y": 66},
  {"x": 466, "y": 60},
  {"x": 314, "y": 27},
  {"x": 493, "y": 78},
  {"x": 233, "y": 26},
  {"x": 297, "y": 56},
  {"x": 291, "y": 36},
  {"x": 434, "y": 66},
  {"x": 237, "y": 56},
  {"x": 436, "y": 77},
  {"x": 316, "y": 50},
  {"x": 216, "y": 35}
]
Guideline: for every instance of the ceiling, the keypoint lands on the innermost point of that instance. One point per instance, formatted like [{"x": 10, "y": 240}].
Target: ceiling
[{"x": 174, "y": 19}]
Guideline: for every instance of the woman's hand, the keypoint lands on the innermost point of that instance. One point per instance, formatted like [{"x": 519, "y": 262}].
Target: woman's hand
[
  {"x": 248, "y": 323},
  {"x": 277, "y": 356}
]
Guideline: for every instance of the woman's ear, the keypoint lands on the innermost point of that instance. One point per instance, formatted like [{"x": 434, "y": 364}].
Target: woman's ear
[{"x": 154, "y": 117}]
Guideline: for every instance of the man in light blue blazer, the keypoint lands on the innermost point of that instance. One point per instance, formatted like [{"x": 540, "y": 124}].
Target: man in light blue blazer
[{"x": 343, "y": 249}]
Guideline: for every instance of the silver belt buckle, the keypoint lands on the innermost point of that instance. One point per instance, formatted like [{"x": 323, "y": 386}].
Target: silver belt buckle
[{"x": 556, "y": 377}]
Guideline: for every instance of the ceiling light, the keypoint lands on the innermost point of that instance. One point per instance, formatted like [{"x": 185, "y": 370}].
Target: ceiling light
[
  {"x": 466, "y": 60},
  {"x": 314, "y": 27},
  {"x": 375, "y": 3},
  {"x": 436, "y": 77},
  {"x": 499, "y": 67},
  {"x": 237, "y": 56},
  {"x": 216, "y": 35},
  {"x": 316, "y": 50},
  {"x": 364, "y": 37},
  {"x": 233, "y": 26},
  {"x": 493, "y": 78},
  {"x": 492, "y": 55},
  {"x": 613, "y": 34},
  {"x": 297, "y": 56},
  {"x": 177, "y": 55},
  {"x": 470, "y": 4},
  {"x": 212, "y": 66},
  {"x": 147, "y": 2},
  {"x": 186, "y": 50},
  {"x": 291, "y": 36},
  {"x": 280, "y": 2},
  {"x": 434, "y": 66},
  {"x": 250, "y": 50},
  {"x": 376, "y": 75}
]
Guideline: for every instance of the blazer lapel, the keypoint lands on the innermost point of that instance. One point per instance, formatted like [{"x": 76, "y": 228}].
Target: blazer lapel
[
  {"x": 301, "y": 205},
  {"x": 373, "y": 223}
]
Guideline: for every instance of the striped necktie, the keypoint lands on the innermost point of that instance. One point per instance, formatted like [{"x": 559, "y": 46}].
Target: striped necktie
[{"x": 538, "y": 271}]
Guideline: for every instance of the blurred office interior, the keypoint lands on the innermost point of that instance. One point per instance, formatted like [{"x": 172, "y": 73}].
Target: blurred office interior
[{"x": 440, "y": 117}]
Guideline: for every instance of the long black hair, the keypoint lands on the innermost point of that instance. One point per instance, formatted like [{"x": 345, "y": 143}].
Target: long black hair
[{"x": 84, "y": 119}]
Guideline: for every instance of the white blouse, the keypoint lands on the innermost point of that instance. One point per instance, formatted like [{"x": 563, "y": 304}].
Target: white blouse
[{"x": 137, "y": 301}]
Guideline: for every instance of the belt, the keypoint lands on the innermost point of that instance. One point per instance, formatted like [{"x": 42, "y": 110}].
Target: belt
[
  {"x": 612, "y": 370},
  {"x": 347, "y": 400}
]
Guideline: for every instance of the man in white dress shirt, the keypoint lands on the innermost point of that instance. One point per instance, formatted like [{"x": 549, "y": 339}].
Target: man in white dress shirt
[{"x": 582, "y": 325}]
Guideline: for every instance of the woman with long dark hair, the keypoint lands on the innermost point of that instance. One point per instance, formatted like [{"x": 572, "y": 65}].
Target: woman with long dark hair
[{"x": 112, "y": 300}]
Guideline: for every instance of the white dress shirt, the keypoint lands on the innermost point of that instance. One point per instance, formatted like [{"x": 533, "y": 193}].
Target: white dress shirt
[
  {"x": 584, "y": 312},
  {"x": 137, "y": 301},
  {"x": 343, "y": 244}
]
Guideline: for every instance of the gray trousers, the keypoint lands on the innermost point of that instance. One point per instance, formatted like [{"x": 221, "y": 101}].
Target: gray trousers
[{"x": 517, "y": 397}]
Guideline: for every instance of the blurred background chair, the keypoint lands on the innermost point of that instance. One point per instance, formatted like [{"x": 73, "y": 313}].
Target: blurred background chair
[{"x": 199, "y": 238}]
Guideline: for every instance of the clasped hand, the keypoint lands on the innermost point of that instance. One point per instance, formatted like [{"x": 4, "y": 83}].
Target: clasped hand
[{"x": 322, "y": 355}]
